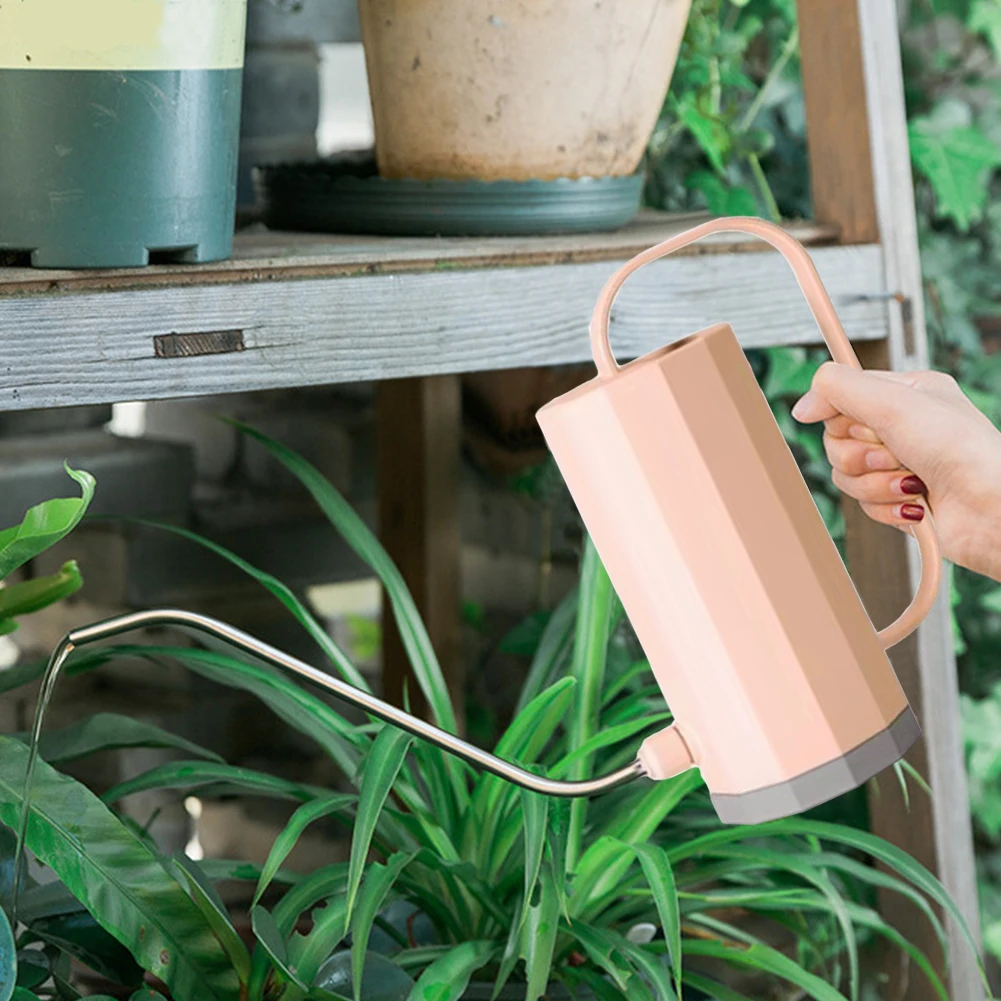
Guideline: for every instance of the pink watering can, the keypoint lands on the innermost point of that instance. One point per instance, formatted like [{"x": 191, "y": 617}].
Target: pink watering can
[{"x": 780, "y": 686}]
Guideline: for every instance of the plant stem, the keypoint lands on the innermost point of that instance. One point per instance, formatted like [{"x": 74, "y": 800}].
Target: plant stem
[
  {"x": 788, "y": 51},
  {"x": 766, "y": 192}
]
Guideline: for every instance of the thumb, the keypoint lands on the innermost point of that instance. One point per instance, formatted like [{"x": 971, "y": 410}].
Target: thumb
[{"x": 866, "y": 397}]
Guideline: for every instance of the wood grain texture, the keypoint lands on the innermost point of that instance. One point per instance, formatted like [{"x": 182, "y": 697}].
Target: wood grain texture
[
  {"x": 860, "y": 171},
  {"x": 98, "y": 347},
  {"x": 834, "y": 87},
  {"x": 949, "y": 809},
  {"x": 262, "y": 255},
  {"x": 418, "y": 431}
]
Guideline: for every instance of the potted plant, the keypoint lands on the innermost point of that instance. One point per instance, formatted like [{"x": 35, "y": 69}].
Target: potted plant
[
  {"x": 132, "y": 141},
  {"x": 517, "y": 91},
  {"x": 457, "y": 885}
]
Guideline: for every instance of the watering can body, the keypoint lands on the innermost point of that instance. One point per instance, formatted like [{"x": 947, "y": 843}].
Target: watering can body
[{"x": 780, "y": 686}]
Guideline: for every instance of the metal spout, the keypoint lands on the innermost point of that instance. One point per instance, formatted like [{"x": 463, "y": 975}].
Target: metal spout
[{"x": 202, "y": 624}]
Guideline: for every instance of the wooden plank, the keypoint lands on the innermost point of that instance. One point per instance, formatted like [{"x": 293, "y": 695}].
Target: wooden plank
[
  {"x": 99, "y": 347},
  {"x": 862, "y": 183},
  {"x": 834, "y": 87},
  {"x": 908, "y": 349},
  {"x": 418, "y": 447},
  {"x": 262, "y": 255}
]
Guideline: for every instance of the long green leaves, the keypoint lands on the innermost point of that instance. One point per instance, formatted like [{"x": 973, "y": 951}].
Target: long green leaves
[
  {"x": 111, "y": 732},
  {"x": 358, "y": 536},
  {"x": 381, "y": 768},
  {"x": 117, "y": 877},
  {"x": 307, "y": 814},
  {"x": 297, "y": 707},
  {"x": 594, "y": 611},
  {"x": 202, "y": 774}
]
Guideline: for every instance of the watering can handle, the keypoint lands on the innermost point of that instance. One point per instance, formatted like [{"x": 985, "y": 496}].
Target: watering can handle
[{"x": 838, "y": 344}]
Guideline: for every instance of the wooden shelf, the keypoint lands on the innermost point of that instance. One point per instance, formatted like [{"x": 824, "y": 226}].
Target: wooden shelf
[{"x": 307, "y": 309}]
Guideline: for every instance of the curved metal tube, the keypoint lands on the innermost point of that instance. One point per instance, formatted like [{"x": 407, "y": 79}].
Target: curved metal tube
[{"x": 376, "y": 707}]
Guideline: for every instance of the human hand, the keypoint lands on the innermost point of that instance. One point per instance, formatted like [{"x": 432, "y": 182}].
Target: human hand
[{"x": 895, "y": 438}]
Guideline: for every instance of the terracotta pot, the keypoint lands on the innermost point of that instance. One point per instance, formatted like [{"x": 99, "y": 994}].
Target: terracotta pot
[{"x": 471, "y": 89}]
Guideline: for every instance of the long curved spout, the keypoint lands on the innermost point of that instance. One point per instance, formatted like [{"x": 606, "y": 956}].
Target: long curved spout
[{"x": 111, "y": 628}]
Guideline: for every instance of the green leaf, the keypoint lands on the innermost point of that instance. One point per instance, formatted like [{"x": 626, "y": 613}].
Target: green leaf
[
  {"x": 552, "y": 647},
  {"x": 205, "y": 898},
  {"x": 381, "y": 768},
  {"x": 33, "y": 595},
  {"x": 534, "y": 815},
  {"x": 44, "y": 525},
  {"x": 8, "y": 959},
  {"x": 307, "y": 953},
  {"x": 539, "y": 936},
  {"x": 117, "y": 878},
  {"x": 288, "y": 838},
  {"x": 110, "y": 732},
  {"x": 523, "y": 741},
  {"x": 297, "y": 707},
  {"x": 985, "y": 19},
  {"x": 448, "y": 977},
  {"x": 267, "y": 933},
  {"x": 281, "y": 591},
  {"x": 378, "y": 882},
  {"x": 722, "y": 198},
  {"x": 602, "y": 948},
  {"x": 594, "y": 613},
  {"x": 224, "y": 870},
  {"x": 767, "y": 960},
  {"x": 608, "y": 737},
  {"x": 199, "y": 774},
  {"x": 708, "y": 131},
  {"x": 361, "y": 539},
  {"x": 889, "y": 854},
  {"x": 957, "y": 161},
  {"x": 328, "y": 881},
  {"x": 80, "y": 936},
  {"x": 713, "y": 988},
  {"x": 21, "y": 674},
  {"x": 33, "y": 968},
  {"x": 660, "y": 878}
]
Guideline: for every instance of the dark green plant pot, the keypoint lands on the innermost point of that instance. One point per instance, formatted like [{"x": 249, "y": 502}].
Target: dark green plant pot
[{"x": 119, "y": 136}]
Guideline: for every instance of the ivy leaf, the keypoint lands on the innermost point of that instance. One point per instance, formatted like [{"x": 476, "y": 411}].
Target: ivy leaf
[{"x": 957, "y": 161}]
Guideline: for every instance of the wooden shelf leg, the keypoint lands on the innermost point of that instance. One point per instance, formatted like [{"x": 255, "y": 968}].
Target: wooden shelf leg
[
  {"x": 861, "y": 181},
  {"x": 418, "y": 448}
]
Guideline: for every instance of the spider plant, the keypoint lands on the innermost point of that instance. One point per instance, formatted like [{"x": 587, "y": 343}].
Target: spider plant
[{"x": 453, "y": 877}]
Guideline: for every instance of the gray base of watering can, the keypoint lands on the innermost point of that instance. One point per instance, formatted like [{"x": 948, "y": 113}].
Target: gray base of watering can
[
  {"x": 824, "y": 782},
  {"x": 101, "y": 168}
]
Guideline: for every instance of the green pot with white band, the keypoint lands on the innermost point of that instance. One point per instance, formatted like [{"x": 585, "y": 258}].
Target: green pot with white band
[{"x": 119, "y": 130}]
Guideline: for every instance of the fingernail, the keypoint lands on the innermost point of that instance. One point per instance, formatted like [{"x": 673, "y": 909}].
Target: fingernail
[
  {"x": 911, "y": 485},
  {"x": 879, "y": 458},
  {"x": 912, "y": 512},
  {"x": 803, "y": 405}
]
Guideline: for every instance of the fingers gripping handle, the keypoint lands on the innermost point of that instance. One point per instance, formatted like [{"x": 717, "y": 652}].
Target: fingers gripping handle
[{"x": 837, "y": 342}]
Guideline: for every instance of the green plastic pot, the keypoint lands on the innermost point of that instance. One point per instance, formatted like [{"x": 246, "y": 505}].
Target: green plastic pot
[{"x": 120, "y": 122}]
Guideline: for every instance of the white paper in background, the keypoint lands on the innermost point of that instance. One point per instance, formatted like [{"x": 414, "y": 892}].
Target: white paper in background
[{"x": 345, "y": 109}]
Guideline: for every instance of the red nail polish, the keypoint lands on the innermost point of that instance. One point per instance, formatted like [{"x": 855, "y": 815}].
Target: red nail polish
[
  {"x": 912, "y": 512},
  {"x": 913, "y": 485}
]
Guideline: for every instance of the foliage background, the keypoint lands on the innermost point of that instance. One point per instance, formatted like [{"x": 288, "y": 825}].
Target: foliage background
[{"x": 732, "y": 139}]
